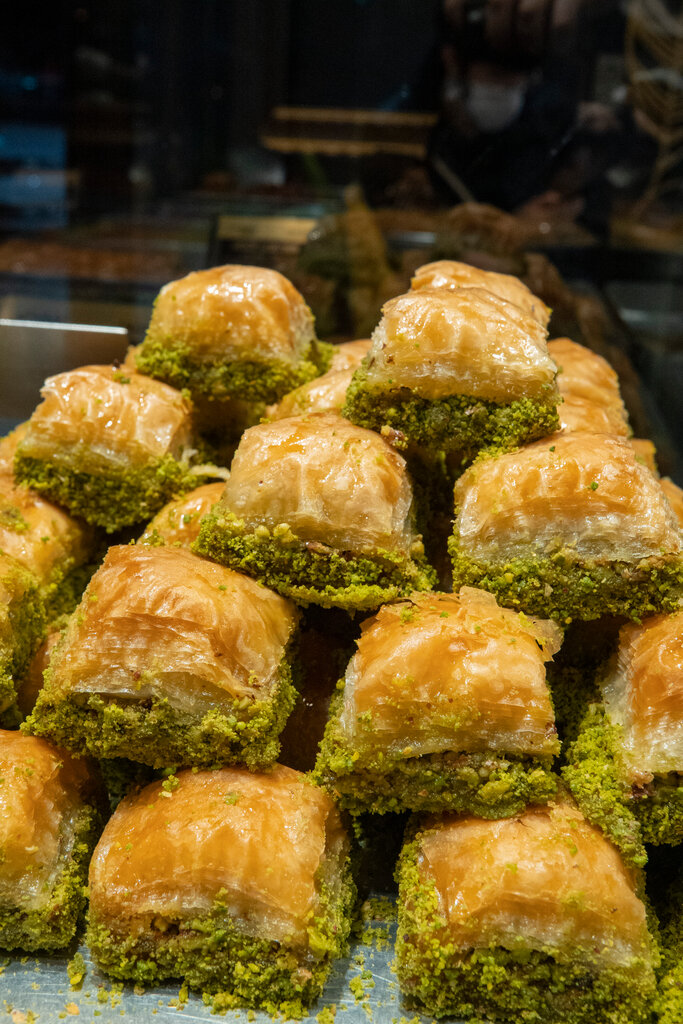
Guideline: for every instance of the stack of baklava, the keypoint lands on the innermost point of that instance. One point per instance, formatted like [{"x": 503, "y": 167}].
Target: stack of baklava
[{"x": 260, "y": 514}]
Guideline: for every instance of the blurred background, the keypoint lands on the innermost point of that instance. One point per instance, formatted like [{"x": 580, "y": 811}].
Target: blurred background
[{"x": 344, "y": 143}]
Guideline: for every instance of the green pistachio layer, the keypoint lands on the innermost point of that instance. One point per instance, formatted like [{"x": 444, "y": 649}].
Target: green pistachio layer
[
  {"x": 112, "y": 498},
  {"x": 164, "y": 357},
  {"x": 456, "y": 422},
  {"x": 311, "y": 573}
]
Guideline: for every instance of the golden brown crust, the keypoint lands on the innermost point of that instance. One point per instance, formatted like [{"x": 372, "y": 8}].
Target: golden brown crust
[
  {"x": 332, "y": 482},
  {"x": 643, "y": 694},
  {"x": 236, "y": 312},
  {"x": 41, "y": 789},
  {"x": 109, "y": 413},
  {"x": 161, "y": 622},
  {"x": 324, "y": 394},
  {"x": 439, "y": 342},
  {"x": 178, "y": 522},
  {"x": 590, "y": 389},
  {"x": 582, "y": 491},
  {"x": 451, "y": 672},
  {"x": 452, "y": 274},
  {"x": 547, "y": 877},
  {"x": 258, "y": 838},
  {"x": 674, "y": 496},
  {"x": 40, "y": 535},
  {"x": 350, "y": 354}
]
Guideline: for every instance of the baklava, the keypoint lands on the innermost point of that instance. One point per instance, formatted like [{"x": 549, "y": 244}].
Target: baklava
[
  {"x": 535, "y": 918},
  {"x": 235, "y": 882},
  {"x": 453, "y": 274},
  {"x": 111, "y": 446},
  {"x": 22, "y": 622},
  {"x": 233, "y": 332},
  {"x": 349, "y": 354},
  {"x": 569, "y": 527},
  {"x": 178, "y": 522},
  {"x": 674, "y": 496},
  {"x": 49, "y": 822},
  {"x": 626, "y": 766},
  {"x": 321, "y": 511},
  {"x": 170, "y": 660},
  {"x": 589, "y": 387},
  {"x": 461, "y": 369},
  {"x": 57, "y": 548},
  {"x": 445, "y": 706},
  {"x": 324, "y": 394}
]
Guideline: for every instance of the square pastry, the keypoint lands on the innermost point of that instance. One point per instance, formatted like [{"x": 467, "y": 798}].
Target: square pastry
[
  {"x": 56, "y": 547},
  {"x": 445, "y": 706},
  {"x": 111, "y": 446},
  {"x": 22, "y": 622},
  {"x": 456, "y": 369},
  {"x": 321, "y": 511},
  {"x": 236, "y": 883},
  {"x": 571, "y": 527},
  {"x": 535, "y": 918},
  {"x": 171, "y": 660},
  {"x": 625, "y": 767},
  {"x": 591, "y": 399},
  {"x": 49, "y": 822},
  {"x": 233, "y": 332}
]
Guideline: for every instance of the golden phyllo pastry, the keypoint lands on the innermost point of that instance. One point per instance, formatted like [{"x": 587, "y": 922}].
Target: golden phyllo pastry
[
  {"x": 324, "y": 394},
  {"x": 22, "y": 621},
  {"x": 456, "y": 369},
  {"x": 452, "y": 274},
  {"x": 234, "y": 881},
  {"x": 674, "y": 496},
  {"x": 168, "y": 660},
  {"x": 349, "y": 354},
  {"x": 48, "y": 827},
  {"x": 626, "y": 764},
  {"x": 178, "y": 522},
  {"x": 319, "y": 510},
  {"x": 445, "y": 706},
  {"x": 111, "y": 446},
  {"x": 541, "y": 903},
  {"x": 232, "y": 331},
  {"x": 569, "y": 527},
  {"x": 44, "y": 538},
  {"x": 591, "y": 399}
]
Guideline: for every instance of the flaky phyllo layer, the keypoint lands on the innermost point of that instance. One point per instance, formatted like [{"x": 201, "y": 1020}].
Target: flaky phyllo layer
[
  {"x": 589, "y": 387},
  {"x": 178, "y": 522},
  {"x": 160, "y": 623},
  {"x": 265, "y": 846},
  {"x": 445, "y": 672},
  {"x": 581, "y": 492},
  {"x": 545, "y": 880},
  {"x": 437, "y": 343},
  {"x": 98, "y": 417},
  {"x": 329, "y": 482},
  {"x": 453, "y": 275},
  {"x": 234, "y": 312},
  {"x": 643, "y": 693}
]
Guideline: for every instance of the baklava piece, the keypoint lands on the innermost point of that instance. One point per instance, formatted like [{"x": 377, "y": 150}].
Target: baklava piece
[
  {"x": 233, "y": 332},
  {"x": 324, "y": 394},
  {"x": 669, "y": 1006},
  {"x": 569, "y": 527},
  {"x": 235, "y": 882},
  {"x": 445, "y": 706},
  {"x": 452, "y": 274},
  {"x": 321, "y": 511},
  {"x": 22, "y": 623},
  {"x": 178, "y": 522},
  {"x": 170, "y": 660},
  {"x": 535, "y": 918},
  {"x": 111, "y": 446},
  {"x": 57, "y": 548},
  {"x": 49, "y": 822},
  {"x": 459, "y": 369},
  {"x": 674, "y": 495},
  {"x": 626, "y": 766},
  {"x": 591, "y": 399},
  {"x": 349, "y": 354}
]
